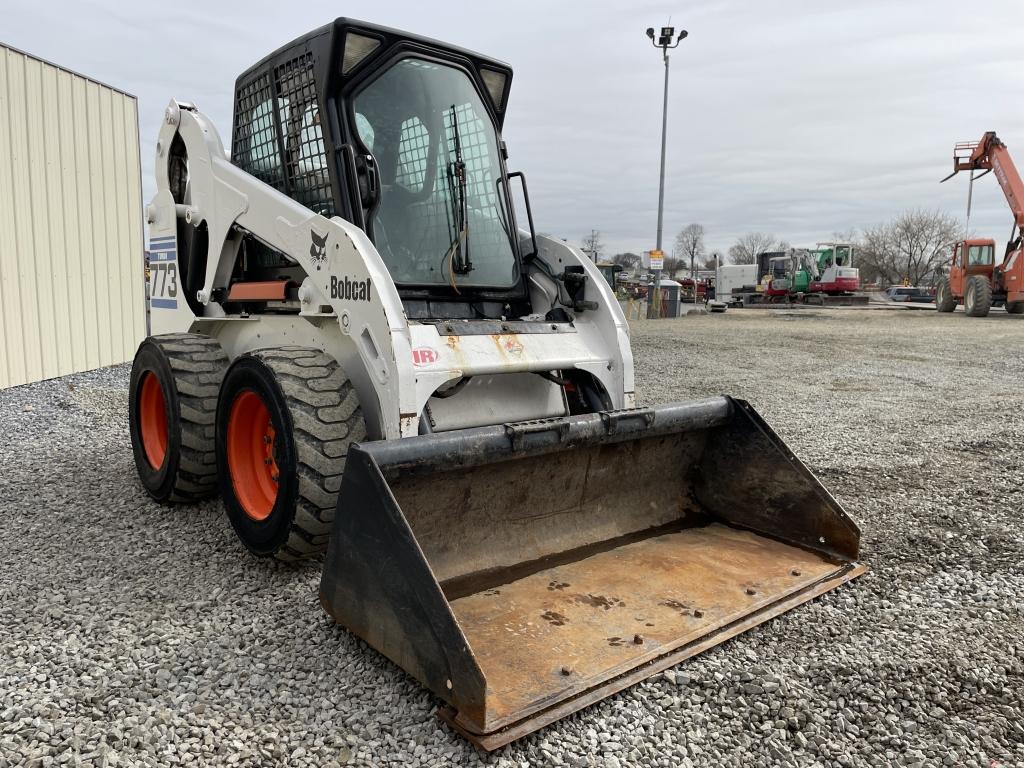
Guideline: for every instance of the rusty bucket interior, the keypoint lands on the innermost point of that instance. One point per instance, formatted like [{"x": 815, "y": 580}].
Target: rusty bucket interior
[{"x": 523, "y": 572}]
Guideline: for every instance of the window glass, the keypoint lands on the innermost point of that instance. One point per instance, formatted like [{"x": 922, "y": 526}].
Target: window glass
[
  {"x": 365, "y": 131},
  {"x": 420, "y": 118},
  {"x": 979, "y": 255}
]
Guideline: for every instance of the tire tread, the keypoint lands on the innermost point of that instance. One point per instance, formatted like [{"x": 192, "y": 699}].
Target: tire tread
[
  {"x": 198, "y": 364},
  {"x": 326, "y": 419}
]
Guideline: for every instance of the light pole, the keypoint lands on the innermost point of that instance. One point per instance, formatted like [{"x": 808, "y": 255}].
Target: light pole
[{"x": 665, "y": 42}]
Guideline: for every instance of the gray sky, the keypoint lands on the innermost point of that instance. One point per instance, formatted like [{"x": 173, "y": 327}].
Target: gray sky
[{"x": 795, "y": 117}]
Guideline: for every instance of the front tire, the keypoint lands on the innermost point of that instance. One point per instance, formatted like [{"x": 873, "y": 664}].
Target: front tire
[
  {"x": 172, "y": 401},
  {"x": 1015, "y": 307},
  {"x": 285, "y": 419},
  {"x": 944, "y": 299},
  {"x": 978, "y": 297}
]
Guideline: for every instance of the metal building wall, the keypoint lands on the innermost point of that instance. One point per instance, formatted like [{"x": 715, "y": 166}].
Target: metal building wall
[{"x": 71, "y": 251}]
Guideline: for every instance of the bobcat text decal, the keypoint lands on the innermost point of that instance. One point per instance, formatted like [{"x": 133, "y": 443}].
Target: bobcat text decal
[{"x": 351, "y": 290}]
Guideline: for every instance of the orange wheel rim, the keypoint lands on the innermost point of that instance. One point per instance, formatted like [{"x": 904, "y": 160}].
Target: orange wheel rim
[
  {"x": 153, "y": 420},
  {"x": 251, "y": 461}
]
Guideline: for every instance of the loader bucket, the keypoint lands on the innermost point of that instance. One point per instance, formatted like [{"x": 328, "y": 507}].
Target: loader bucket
[{"x": 524, "y": 571}]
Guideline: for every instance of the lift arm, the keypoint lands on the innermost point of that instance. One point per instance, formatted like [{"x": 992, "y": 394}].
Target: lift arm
[{"x": 990, "y": 154}]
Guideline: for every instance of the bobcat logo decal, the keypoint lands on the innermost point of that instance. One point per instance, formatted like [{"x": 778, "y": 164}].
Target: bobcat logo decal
[{"x": 318, "y": 249}]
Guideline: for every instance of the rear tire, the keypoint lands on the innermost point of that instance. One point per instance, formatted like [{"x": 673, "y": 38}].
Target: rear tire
[
  {"x": 171, "y": 408},
  {"x": 1015, "y": 307},
  {"x": 977, "y": 297},
  {"x": 285, "y": 419},
  {"x": 945, "y": 301}
]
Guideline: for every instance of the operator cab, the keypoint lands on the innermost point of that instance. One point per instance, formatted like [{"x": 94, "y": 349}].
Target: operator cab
[
  {"x": 974, "y": 253},
  {"x": 400, "y": 135}
]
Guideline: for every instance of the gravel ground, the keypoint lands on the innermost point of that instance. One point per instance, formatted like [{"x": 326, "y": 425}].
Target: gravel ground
[{"x": 134, "y": 634}]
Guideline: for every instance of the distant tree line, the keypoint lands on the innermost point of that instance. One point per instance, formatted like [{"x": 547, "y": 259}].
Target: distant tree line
[{"x": 914, "y": 246}]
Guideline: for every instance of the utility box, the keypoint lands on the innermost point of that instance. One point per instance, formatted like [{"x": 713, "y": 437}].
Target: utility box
[
  {"x": 670, "y": 299},
  {"x": 72, "y": 277}
]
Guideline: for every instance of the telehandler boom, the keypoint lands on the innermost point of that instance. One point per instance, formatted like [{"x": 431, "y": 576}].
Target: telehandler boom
[
  {"x": 362, "y": 345},
  {"x": 974, "y": 276}
]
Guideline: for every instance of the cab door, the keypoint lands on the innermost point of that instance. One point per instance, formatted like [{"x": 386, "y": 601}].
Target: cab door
[{"x": 956, "y": 270}]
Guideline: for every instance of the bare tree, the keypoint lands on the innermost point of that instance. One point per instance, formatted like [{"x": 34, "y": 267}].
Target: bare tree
[
  {"x": 627, "y": 260},
  {"x": 913, "y": 246},
  {"x": 714, "y": 259},
  {"x": 690, "y": 245},
  {"x": 592, "y": 245},
  {"x": 849, "y": 235},
  {"x": 673, "y": 265},
  {"x": 746, "y": 248}
]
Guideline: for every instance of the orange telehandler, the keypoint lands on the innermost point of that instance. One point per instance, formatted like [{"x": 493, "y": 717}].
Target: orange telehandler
[{"x": 974, "y": 277}]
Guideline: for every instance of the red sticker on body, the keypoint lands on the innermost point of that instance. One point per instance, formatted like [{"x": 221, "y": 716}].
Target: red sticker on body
[{"x": 424, "y": 356}]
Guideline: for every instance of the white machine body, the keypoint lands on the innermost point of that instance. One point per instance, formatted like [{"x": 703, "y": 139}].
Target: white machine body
[{"x": 349, "y": 307}]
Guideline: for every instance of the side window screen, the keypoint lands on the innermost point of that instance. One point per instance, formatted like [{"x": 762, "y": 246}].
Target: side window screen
[
  {"x": 263, "y": 144},
  {"x": 311, "y": 142},
  {"x": 255, "y": 145},
  {"x": 413, "y": 144},
  {"x": 278, "y": 137},
  {"x": 305, "y": 159}
]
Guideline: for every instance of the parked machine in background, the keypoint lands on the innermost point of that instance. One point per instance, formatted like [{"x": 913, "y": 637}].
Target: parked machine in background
[
  {"x": 610, "y": 272},
  {"x": 974, "y": 278},
  {"x": 835, "y": 273},
  {"x": 365, "y": 352},
  {"x": 733, "y": 281},
  {"x": 822, "y": 277},
  {"x": 971, "y": 280},
  {"x": 777, "y": 283}
]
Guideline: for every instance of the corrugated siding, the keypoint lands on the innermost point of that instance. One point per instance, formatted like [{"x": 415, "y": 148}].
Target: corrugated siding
[{"x": 71, "y": 251}]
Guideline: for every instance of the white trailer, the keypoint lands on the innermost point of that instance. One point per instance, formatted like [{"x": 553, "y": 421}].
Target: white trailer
[{"x": 730, "y": 280}]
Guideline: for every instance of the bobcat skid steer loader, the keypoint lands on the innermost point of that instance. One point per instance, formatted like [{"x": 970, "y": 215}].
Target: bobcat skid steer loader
[{"x": 364, "y": 349}]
